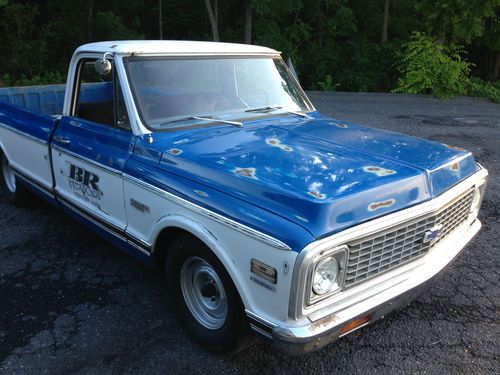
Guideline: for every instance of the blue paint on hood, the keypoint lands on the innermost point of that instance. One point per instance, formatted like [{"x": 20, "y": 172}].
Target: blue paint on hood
[{"x": 322, "y": 174}]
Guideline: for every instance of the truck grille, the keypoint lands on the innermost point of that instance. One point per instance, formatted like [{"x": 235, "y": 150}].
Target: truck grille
[{"x": 393, "y": 247}]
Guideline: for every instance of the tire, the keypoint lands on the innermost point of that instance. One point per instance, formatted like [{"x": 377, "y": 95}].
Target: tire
[
  {"x": 9, "y": 182},
  {"x": 204, "y": 297}
]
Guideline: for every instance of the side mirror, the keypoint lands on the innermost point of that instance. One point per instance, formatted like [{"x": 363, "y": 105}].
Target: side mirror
[{"x": 103, "y": 66}]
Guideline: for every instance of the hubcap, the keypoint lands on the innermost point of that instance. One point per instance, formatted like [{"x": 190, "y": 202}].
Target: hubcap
[
  {"x": 8, "y": 175},
  {"x": 204, "y": 293}
]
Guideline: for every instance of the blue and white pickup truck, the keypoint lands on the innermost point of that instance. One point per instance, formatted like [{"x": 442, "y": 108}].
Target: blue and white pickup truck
[{"x": 209, "y": 161}]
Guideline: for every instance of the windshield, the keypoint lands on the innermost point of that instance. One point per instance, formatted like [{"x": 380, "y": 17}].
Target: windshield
[{"x": 172, "y": 92}]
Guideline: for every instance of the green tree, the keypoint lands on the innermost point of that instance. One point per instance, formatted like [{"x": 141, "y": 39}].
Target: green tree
[
  {"x": 457, "y": 20},
  {"x": 428, "y": 66}
]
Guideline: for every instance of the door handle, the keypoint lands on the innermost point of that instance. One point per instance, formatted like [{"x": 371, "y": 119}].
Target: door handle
[{"x": 61, "y": 140}]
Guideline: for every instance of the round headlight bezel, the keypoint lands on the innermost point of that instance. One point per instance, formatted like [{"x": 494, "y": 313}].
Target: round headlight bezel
[
  {"x": 340, "y": 254},
  {"x": 326, "y": 270}
]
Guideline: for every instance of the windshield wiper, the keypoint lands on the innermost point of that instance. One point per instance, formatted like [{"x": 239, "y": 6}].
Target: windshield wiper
[
  {"x": 274, "y": 108},
  {"x": 203, "y": 118}
]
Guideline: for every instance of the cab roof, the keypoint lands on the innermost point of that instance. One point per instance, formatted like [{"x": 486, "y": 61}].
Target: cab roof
[{"x": 175, "y": 47}]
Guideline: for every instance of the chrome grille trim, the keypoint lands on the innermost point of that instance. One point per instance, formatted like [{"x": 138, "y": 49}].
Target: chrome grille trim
[{"x": 393, "y": 247}]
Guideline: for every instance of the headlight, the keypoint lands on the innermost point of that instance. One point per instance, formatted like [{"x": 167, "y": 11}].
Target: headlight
[{"x": 325, "y": 275}]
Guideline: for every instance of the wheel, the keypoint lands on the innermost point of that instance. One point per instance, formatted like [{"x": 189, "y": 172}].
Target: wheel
[
  {"x": 14, "y": 192},
  {"x": 205, "y": 297}
]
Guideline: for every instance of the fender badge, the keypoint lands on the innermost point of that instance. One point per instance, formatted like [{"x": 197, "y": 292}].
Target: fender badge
[{"x": 139, "y": 206}]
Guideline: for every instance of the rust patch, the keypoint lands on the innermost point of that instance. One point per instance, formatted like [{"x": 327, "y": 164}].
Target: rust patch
[
  {"x": 201, "y": 193},
  {"x": 180, "y": 141},
  {"x": 456, "y": 148},
  {"x": 323, "y": 323},
  {"x": 277, "y": 143},
  {"x": 245, "y": 172},
  {"x": 376, "y": 205},
  {"x": 174, "y": 151},
  {"x": 317, "y": 194},
  {"x": 341, "y": 125},
  {"x": 379, "y": 171},
  {"x": 272, "y": 141},
  {"x": 455, "y": 167}
]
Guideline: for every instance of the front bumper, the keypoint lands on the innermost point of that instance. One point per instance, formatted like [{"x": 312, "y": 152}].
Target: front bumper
[{"x": 322, "y": 331}]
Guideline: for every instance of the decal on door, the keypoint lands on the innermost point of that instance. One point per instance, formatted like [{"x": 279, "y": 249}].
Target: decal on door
[{"x": 85, "y": 184}]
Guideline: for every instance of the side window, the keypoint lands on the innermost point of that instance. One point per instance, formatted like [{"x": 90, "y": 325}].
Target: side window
[{"x": 100, "y": 98}]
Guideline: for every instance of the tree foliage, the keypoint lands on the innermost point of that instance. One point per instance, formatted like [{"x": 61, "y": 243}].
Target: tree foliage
[
  {"x": 356, "y": 41},
  {"x": 457, "y": 20},
  {"x": 430, "y": 67}
]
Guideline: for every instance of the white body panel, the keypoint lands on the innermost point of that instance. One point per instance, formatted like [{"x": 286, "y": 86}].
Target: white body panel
[
  {"x": 27, "y": 155},
  {"x": 234, "y": 248},
  {"x": 175, "y": 47},
  {"x": 106, "y": 205}
]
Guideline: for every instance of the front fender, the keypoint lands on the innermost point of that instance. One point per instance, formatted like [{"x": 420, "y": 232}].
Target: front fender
[{"x": 235, "y": 251}]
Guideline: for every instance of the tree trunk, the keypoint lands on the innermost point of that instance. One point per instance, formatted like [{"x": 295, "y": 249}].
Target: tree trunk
[
  {"x": 160, "y": 19},
  {"x": 385, "y": 25},
  {"x": 248, "y": 21},
  {"x": 90, "y": 17},
  {"x": 495, "y": 73},
  {"x": 213, "y": 20},
  {"x": 319, "y": 22}
]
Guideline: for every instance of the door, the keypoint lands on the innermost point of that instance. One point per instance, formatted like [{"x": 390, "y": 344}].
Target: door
[{"x": 90, "y": 149}]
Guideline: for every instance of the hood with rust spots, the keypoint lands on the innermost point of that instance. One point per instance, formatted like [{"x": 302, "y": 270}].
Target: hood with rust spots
[{"x": 320, "y": 173}]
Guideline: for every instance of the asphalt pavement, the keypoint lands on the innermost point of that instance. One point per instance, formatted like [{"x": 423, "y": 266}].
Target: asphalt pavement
[{"x": 72, "y": 303}]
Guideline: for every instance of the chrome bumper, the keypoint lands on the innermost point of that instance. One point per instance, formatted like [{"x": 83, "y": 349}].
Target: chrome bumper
[{"x": 320, "y": 332}]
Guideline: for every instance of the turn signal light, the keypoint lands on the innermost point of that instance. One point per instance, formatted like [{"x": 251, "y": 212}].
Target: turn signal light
[{"x": 351, "y": 326}]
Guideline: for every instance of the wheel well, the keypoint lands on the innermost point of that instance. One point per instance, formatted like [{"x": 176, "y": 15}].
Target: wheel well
[{"x": 162, "y": 244}]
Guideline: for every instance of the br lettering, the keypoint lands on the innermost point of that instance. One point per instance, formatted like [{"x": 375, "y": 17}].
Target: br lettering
[{"x": 84, "y": 177}]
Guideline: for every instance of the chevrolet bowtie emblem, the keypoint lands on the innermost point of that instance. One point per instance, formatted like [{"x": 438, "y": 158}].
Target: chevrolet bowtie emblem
[{"x": 432, "y": 234}]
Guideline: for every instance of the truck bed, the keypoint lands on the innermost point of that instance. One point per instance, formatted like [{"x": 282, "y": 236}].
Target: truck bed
[
  {"x": 31, "y": 109},
  {"x": 43, "y": 100},
  {"x": 49, "y": 100}
]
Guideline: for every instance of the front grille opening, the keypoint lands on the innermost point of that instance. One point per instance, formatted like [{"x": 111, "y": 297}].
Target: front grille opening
[{"x": 393, "y": 247}]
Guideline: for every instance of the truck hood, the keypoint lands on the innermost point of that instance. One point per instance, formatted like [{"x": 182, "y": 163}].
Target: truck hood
[{"x": 320, "y": 173}]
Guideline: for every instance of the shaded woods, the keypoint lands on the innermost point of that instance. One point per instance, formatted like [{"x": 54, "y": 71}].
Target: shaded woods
[{"x": 352, "y": 45}]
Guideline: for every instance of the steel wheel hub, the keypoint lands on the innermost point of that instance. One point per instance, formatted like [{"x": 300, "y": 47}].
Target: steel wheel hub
[{"x": 203, "y": 292}]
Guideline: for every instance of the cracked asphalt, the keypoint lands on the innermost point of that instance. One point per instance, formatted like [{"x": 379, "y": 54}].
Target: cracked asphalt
[{"x": 72, "y": 303}]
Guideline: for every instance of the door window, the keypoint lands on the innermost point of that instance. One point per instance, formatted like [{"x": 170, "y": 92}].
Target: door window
[{"x": 100, "y": 98}]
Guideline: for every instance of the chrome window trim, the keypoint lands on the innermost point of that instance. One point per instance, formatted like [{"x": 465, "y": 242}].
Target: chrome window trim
[
  {"x": 262, "y": 237},
  {"x": 298, "y": 290}
]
